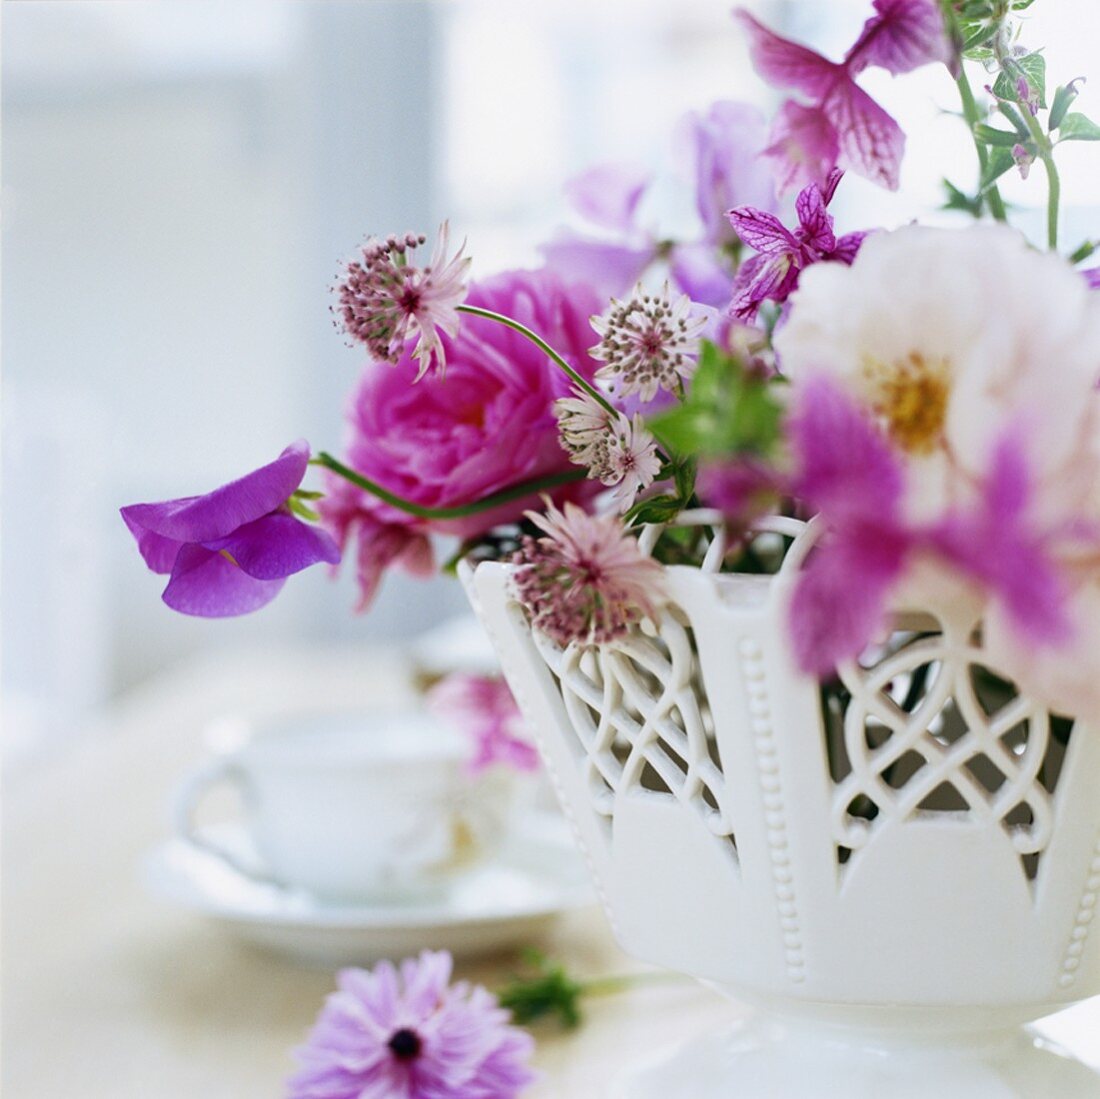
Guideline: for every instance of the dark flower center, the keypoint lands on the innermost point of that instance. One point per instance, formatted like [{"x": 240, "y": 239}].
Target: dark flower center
[{"x": 405, "y": 1044}]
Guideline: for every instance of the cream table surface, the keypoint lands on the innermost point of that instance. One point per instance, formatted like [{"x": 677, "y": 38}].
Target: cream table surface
[{"x": 110, "y": 994}]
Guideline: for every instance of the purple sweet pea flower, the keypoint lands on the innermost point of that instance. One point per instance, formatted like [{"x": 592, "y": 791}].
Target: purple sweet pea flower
[
  {"x": 840, "y": 124},
  {"x": 773, "y": 274},
  {"x": 229, "y": 552}
]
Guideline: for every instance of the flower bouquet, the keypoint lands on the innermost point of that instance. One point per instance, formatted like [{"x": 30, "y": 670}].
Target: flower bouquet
[{"x": 788, "y": 538}]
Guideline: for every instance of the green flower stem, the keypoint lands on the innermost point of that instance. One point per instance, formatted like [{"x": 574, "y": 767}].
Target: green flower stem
[
  {"x": 1054, "y": 183},
  {"x": 505, "y": 496},
  {"x": 612, "y": 986},
  {"x": 544, "y": 347},
  {"x": 973, "y": 117}
]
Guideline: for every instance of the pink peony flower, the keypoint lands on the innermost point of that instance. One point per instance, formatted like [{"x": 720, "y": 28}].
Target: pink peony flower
[
  {"x": 483, "y": 707},
  {"x": 450, "y": 441},
  {"x": 586, "y": 580},
  {"x": 408, "y": 1033}
]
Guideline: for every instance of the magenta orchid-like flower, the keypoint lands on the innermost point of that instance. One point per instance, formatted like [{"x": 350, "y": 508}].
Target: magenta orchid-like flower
[
  {"x": 482, "y": 706},
  {"x": 773, "y": 274},
  {"x": 837, "y": 122},
  {"x": 846, "y": 470},
  {"x": 407, "y": 1033},
  {"x": 229, "y": 552}
]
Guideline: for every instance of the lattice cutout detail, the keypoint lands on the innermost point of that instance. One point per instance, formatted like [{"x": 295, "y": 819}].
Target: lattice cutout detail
[
  {"x": 640, "y": 714},
  {"x": 947, "y": 751}
]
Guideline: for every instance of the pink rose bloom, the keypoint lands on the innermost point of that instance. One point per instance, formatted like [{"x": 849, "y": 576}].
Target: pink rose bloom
[{"x": 446, "y": 441}]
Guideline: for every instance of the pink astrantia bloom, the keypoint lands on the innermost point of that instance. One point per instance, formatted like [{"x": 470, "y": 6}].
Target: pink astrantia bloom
[
  {"x": 847, "y": 471},
  {"x": 407, "y": 1033},
  {"x": 482, "y": 706},
  {"x": 838, "y": 123},
  {"x": 648, "y": 342},
  {"x": 616, "y": 449},
  {"x": 445, "y": 442},
  {"x": 385, "y": 301},
  {"x": 585, "y": 580},
  {"x": 773, "y": 274}
]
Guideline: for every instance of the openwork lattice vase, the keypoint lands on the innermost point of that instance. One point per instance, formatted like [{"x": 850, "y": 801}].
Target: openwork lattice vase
[{"x": 908, "y": 863}]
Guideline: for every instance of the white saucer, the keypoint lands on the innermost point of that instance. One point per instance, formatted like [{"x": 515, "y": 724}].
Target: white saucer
[{"x": 505, "y": 903}]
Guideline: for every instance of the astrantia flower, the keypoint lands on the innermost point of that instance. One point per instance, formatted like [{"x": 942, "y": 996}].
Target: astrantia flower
[
  {"x": 585, "y": 580},
  {"x": 948, "y": 359},
  {"x": 407, "y": 1034},
  {"x": 773, "y": 274},
  {"x": 384, "y": 300},
  {"x": 616, "y": 449},
  {"x": 451, "y": 441},
  {"x": 482, "y": 706},
  {"x": 229, "y": 552},
  {"x": 649, "y": 342}
]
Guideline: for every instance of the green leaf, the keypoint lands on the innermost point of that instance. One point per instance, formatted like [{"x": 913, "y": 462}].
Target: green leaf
[
  {"x": 1076, "y": 127},
  {"x": 1033, "y": 68},
  {"x": 960, "y": 200},
  {"x": 1084, "y": 250},
  {"x": 655, "y": 509},
  {"x": 1063, "y": 97},
  {"x": 1000, "y": 161},
  {"x": 727, "y": 410},
  {"x": 992, "y": 136}
]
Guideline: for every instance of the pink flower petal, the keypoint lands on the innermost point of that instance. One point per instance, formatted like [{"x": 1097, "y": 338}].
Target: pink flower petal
[
  {"x": 785, "y": 64},
  {"x": 761, "y": 230},
  {"x": 900, "y": 37},
  {"x": 277, "y": 545},
  {"x": 608, "y": 195},
  {"x": 871, "y": 143},
  {"x": 803, "y": 146}
]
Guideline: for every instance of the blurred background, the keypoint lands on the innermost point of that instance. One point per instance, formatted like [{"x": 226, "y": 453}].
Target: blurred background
[{"x": 180, "y": 181}]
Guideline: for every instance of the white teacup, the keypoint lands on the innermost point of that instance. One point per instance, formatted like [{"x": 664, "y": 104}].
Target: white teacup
[{"x": 356, "y": 808}]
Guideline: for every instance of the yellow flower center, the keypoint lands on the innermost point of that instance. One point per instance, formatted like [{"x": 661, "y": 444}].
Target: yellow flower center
[{"x": 911, "y": 395}]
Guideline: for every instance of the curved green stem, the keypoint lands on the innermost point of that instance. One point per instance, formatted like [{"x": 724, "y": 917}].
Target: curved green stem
[
  {"x": 505, "y": 496},
  {"x": 973, "y": 117},
  {"x": 1054, "y": 183},
  {"x": 543, "y": 346}
]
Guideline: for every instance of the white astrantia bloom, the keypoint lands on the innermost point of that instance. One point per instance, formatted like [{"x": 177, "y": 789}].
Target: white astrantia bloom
[
  {"x": 632, "y": 460},
  {"x": 953, "y": 337}
]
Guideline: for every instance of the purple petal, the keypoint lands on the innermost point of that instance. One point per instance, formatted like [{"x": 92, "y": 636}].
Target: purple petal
[
  {"x": 610, "y": 269},
  {"x": 848, "y": 246},
  {"x": 803, "y": 146},
  {"x": 1020, "y": 573},
  {"x": 902, "y": 36},
  {"x": 697, "y": 272},
  {"x": 845, "y": 467},
  {"x": 762, "y": 230},
  {"x": 832, "y": 182},
  {"x": 871, "y": 143},
  {"x": 1092, "y": 277},
  {"x": 815, "y": 220},
  {"x": 159, "y": 552},
  {"x": 608, "y": 195},
  {"x": 277, "y": 545},
  {"x": 785, "y": 64},
  {"x": 206, "y": 584},
  {"x": 219, "y": 513},
  {"x": 762, "y": 278},
  {"x": 839, "y": 600}
]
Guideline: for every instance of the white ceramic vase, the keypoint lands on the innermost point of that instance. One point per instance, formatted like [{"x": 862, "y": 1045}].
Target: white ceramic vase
[{"x": 899, "y": 888}]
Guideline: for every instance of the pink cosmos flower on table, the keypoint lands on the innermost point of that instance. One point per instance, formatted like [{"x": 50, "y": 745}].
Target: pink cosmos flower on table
[
  {"x": 483, "y": 707},
  {"x": 230, "y": 551},
  {"x": 782, "y": 255},
  {"x": 837, "y": 123},
  {"x": 447, "y": 441},
  {"x": 407, "y": 1033}
]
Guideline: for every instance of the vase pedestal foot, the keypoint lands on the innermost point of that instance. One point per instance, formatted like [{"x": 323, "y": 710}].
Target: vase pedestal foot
[{"x": 768, "y": 1057}]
